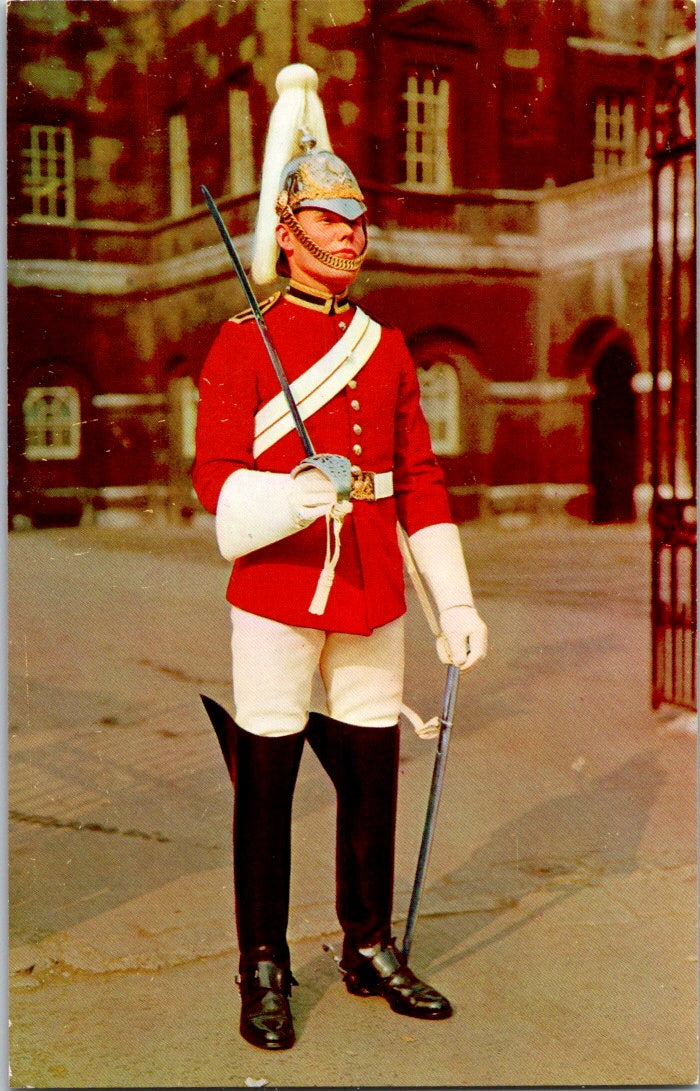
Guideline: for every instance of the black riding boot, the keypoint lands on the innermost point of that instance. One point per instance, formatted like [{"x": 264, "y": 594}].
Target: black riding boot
[
  {"x": 362, "y": 763},
  {"x": 264, "y": 772}
]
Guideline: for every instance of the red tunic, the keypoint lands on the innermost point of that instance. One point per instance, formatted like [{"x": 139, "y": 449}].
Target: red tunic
[{"x": 279, "y": 581}]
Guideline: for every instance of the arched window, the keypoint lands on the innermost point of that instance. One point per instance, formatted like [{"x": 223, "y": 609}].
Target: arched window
[
  {"x": 51, "y": 422},
  {"x": 439, "y": 385}
]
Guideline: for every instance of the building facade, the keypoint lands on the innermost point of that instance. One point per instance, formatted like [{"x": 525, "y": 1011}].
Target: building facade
[{"x": 502, "y": 147}]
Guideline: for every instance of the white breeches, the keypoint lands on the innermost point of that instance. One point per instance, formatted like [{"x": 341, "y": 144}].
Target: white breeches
[{"x": 274, "y": 667}]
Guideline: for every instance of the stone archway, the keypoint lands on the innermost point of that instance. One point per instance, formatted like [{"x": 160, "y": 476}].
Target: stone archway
[{"x": 604, "y": 354}]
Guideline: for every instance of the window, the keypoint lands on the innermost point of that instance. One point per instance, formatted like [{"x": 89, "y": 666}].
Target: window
[
  {"x": 439, "y": 386},
  {"x": 51, "y": 422},
  {"x": 615, "y": 140},
  {"x": 48, "y": 177},
  {"x": 242, "y": 179},
  {"x": 180, "y": 182},
  {"x": 426, "y": 126}
]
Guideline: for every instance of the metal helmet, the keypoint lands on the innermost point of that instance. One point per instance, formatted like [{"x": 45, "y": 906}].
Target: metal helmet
[
  {"x": 321, "y": 180},
  {"x": 300, "y": 171}
]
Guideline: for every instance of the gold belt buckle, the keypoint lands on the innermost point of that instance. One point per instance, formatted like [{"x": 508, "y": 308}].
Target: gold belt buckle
[{"x": 362, "y": 487}]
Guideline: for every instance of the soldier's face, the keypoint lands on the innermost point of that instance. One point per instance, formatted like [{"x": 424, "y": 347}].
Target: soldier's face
[{"x": 340, "y": 237}]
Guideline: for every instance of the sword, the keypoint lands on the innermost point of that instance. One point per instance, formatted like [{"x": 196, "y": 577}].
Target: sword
[
  {"x": 446, "y": 717},
  {"x": 335, "y": 467},
  {"x": 448, "y": 706}
]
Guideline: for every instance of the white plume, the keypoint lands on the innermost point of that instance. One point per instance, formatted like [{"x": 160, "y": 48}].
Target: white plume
[{"x": 298, "y": 107}]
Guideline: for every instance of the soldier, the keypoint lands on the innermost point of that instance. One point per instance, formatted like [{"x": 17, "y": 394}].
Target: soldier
[{"x": 317, "y": 582}]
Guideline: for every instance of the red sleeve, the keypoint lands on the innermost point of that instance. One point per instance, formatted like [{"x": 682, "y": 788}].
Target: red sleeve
[
  {"x": 419, "y": 486},
  {"x": 228, "y": 401}
]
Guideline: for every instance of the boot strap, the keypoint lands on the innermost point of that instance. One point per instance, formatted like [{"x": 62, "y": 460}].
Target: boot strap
[
  {"x": 386, "y": 962},
  {"x": 268, "y": 975}
]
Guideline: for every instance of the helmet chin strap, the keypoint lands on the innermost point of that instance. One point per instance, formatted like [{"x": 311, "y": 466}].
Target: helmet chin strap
[{"x": 345, "y": 265}]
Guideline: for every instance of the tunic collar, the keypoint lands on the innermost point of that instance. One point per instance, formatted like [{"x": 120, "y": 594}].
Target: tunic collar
[{"x": 304, "y": 296}]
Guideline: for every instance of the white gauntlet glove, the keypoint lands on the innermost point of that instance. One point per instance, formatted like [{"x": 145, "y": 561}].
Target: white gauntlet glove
[
  {"x": 257, "y": 508},
  {"x": 437, "y": 552},
  {"x": 464, "y": 637}
]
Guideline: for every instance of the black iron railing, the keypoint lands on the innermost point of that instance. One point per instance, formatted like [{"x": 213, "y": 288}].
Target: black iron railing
[{"x": 673, "y": 402}]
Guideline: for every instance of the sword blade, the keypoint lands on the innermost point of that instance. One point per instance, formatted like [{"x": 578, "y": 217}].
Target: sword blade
[
  {"x": 446, "y": 717},
  {"x": 261, "y": 324}
]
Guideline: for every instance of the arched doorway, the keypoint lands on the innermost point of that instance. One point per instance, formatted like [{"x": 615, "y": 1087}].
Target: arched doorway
[{"x": 613, "y": 432}]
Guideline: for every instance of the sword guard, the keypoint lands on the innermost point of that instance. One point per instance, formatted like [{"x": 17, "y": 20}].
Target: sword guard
[{"x": 335, "y": 467}]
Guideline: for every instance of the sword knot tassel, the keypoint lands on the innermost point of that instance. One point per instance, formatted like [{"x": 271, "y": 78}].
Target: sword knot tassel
[{"x": 325, "y": 580}]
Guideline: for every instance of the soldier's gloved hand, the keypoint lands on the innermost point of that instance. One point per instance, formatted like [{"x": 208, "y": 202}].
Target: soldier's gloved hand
[
  {"x": 312, "y": 494},
  {"x": 437, "y": 551},
  {"x": 256, "y": 508},
  {"x": 464, "y": 638}
]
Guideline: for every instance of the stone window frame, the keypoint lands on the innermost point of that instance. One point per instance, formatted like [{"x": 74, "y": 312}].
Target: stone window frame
[
  {"x": 179, "y": 160},
  {"x": 184, "y": 399},
  {"x": 241, "y": 178},
  {"x": 241, "y": 158}
]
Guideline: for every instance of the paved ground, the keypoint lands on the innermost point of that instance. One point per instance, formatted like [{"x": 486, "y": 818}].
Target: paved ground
[{"x": 560, "y": 909}]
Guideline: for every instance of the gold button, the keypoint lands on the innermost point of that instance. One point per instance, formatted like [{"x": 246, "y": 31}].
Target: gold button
[
  {"x": 357, "y": 450},
  {"x": 355, "y": 405},
  {"x": 355, "y": 470},
  {"x": 342, "y": 325},
  {"x": 352, "y": 383},
  {"x": 357, "y": 429}
]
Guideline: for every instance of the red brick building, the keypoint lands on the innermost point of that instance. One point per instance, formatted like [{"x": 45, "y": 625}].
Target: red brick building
[{"x": 502, "y": 148}]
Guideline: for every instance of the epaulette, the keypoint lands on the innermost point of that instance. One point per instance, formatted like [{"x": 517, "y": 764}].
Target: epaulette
[{"x": 247, "y": 314}]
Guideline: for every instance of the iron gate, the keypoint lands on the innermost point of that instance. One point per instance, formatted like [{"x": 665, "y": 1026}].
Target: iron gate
[{"x": 673, "y": 399}]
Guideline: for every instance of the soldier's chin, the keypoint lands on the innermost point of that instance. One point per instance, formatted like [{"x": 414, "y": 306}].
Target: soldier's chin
[{"x": 338, "y": 279}]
